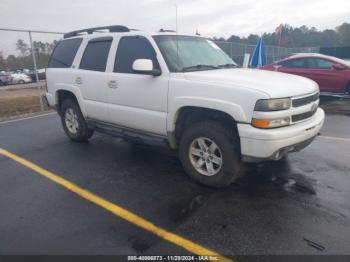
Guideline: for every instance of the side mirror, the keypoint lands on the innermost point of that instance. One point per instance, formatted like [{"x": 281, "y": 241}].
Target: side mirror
[
  {"x": 339, "y": 67},
  {"x": 145, "y": 67},
  {"x": 277, "y": 66}
]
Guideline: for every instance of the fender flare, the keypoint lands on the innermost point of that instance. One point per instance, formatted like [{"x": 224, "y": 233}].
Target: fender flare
[
  {"x": 232, "y": 109},
  {"x": 75, "y": 91}
]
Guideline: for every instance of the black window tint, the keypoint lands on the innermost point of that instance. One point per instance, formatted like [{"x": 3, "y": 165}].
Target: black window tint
[
  {"x": 131, "y": 48},
  {"x": 294, "y": 63},
  {"x": 96, "y": 54},
  {"x": 64, "y": 53}
]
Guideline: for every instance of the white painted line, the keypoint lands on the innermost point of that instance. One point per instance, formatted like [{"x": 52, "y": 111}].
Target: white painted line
[
  {"x": 336, "y": 138},
  {"x": 26, "y": 118},
  {"x": 336, "y": 95}
]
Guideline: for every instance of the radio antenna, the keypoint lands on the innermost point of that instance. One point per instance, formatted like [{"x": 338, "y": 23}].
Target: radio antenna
[{"x": 176, "y": 17}]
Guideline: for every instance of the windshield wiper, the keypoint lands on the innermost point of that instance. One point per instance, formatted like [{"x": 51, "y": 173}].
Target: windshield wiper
[
  {"x": 198, "y": 67},
  {"x": 227, "y": 66}
]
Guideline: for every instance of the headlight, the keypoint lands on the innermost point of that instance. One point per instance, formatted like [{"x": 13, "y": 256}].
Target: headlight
[
  {"x": 271, "y": 123},
  {"x": 272, "y": 104}
]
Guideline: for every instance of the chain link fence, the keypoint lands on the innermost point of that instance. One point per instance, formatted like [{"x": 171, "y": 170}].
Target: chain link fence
[
  {"x": 23, "y": 58},
  {"x": 273, "y": 53},
  {"x": 31, "y": 53}
]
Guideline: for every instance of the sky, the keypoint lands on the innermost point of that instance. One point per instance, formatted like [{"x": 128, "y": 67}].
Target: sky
[{"x": 210, "y": 17}]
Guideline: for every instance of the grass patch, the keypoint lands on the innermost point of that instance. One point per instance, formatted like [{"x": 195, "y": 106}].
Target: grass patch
[{"x": 14, "y": 106}]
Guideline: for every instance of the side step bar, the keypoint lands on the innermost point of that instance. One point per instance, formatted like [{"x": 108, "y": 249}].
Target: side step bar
[{"x": 128, "y": 134}]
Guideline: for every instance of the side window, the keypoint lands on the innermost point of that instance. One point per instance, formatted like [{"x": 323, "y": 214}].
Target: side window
[
  {"x": 317, "y": 63},
  {"x": 131, "y": 48},
  {"x": 294, "y": 63},
  {"x": 64, "y": 53},
  {"x": 96, "y": 54}
]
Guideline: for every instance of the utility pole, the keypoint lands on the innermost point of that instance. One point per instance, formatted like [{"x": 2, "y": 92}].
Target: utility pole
[{"x": 35, "y": 70}]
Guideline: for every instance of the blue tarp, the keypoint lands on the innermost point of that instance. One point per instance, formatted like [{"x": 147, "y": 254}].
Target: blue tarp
[{"x": 258, "y": 57}]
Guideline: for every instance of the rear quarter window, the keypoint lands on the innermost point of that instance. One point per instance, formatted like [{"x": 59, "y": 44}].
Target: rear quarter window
[{"x": 64, "y": 53}]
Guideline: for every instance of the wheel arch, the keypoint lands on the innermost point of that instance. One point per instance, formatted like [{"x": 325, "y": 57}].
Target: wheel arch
[
  {"x": 192, "y": 114},
  {"x": 66, "y": 93}
]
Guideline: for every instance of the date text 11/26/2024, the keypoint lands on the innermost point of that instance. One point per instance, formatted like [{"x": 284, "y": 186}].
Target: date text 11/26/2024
[{"x": 173, "y": 258}]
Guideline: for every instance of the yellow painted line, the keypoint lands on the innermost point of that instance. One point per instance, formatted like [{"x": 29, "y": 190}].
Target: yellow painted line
[{"x": 117, "y": 210}]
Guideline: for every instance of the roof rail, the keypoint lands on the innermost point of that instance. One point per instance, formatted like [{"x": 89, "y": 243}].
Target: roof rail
[
  {"x": 111, "y": 28},
  {"x": 166, "y": 30}
]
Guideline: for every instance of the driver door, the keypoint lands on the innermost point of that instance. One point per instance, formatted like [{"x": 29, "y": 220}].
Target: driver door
[
  {"x": 137, "y": 101},
  {"x": 296, "y": 66}
]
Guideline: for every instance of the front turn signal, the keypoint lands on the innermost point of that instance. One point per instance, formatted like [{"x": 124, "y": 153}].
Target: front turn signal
[{"x": 271, "y": 123}]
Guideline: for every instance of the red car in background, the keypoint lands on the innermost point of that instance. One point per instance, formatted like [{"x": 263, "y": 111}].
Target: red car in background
[{"x": 332, "y": 74}]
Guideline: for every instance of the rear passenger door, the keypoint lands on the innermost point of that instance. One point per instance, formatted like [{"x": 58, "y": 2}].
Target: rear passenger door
[
  {"x": 91, "y": 77},
  {"x": 137, "y": 101}
]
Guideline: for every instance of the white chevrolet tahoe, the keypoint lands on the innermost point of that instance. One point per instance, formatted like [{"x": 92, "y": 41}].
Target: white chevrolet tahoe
[{"x": 182, "y": 91}]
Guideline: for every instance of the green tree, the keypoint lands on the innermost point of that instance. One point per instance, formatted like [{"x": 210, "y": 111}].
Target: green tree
[
  {"x": 13, "y": 62},
  {"x": 234, "y": 39},
  {"x": 22, "y": 47},
  {"x": 302, "y": 36},
  {"x": 252, "y": 39},
  {"x": 3, "y": 63},
  {"x": 219, "y": 39},
  {"x": 344, "y": 34},
  {"x": 329, "y": 38}
]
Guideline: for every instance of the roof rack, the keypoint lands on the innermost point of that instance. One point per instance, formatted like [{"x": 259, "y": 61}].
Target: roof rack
[
  {"x": 111, "y": 29},
  {"x": 166, "y": 30}
]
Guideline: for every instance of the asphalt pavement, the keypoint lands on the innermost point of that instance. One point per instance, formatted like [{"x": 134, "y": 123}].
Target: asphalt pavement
[{"x": 297, "y": 206}]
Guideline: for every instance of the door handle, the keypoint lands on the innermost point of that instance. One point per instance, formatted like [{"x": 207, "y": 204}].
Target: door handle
[
  {"x": 112, "y": 84},
  {"x": 78, "y": 80}
]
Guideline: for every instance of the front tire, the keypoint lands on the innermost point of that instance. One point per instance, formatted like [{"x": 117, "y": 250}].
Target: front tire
[
  {"x": 73, "y": 122},
  {"x": 209, "y": 153},
  {"x": 347, "y": 90}
]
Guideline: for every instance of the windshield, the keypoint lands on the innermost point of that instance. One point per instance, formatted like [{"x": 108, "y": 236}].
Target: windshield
[{"x": 189, "y": 53}]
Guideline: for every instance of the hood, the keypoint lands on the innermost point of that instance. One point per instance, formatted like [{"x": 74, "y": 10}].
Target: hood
[{"x": 274, "y": 84}]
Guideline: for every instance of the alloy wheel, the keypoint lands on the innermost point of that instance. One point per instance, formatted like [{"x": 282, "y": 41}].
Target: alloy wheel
[
  {"x": 205, "y": 156},
  {"x": 71, "y": 120}
]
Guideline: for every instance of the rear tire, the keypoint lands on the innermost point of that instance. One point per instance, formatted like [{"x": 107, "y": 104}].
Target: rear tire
[
  {"x": 73, "y": 122},
  {"x": 215, "y": 163},
  {"x": 21, "y": 82}
]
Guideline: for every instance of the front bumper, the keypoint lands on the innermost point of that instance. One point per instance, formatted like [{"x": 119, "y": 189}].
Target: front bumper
[{"x": 272, "y": 144}]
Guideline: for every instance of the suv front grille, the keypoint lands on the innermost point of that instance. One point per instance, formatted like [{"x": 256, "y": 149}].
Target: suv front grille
[
  {"x": 303, "y": 116},
  {"x": 305, "y": 100}
]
